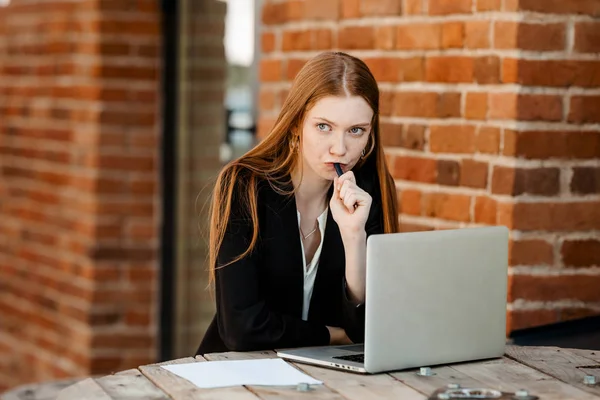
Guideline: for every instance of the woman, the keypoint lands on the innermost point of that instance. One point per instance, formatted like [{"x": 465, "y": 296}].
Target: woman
[{"x": 288, "y": 247}]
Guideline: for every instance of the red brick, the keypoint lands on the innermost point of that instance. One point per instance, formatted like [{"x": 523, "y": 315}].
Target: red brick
[
  {"x": 449, "y": 105},
  {"x": 489, "y": 5},
  {"x": 410, "y": 202},
  {"x": 523, "y": 319},
  {"x": 138, "y": 318},
  {"x": 413, "y": 7},
  {"x": 551, "y": 217},
  {"x": 427, "y": 104},
  {"x": 585, "y": 180},
  {"x": 418, "y": 36},
  {"x": 408, "y": 136},
  {"x": 411, "y": 69},
  {"x": 293, "y": 67},
  {"x": 411, "y": 227},
  {"x": 476, "y": 106},
  {"x": 414, "y": 169},
  {"x": 415, "y": 104},
  {"x": 384, "y": 69},
  {"x": 296, "y": 40},
  {"x": 449, "y": 69},
  {"x": 473, "y": 174},
  {"x": 273, "y": 13},
  {"x": 556, "y": 72},
  {"x": 486, "y": 70},
  {"x": 581, "y": 253},
  {"x": 477, "y": 34},
  {"x": 485, "y": 210},
  {"x": 517, "y": 181},
  {"x": 589, "y": 7},
  {"x": 556, "y": 287},
  {"x": 584, "y": 109},
  {"x": 525, "y": 107},
  {"x": 557, "y": 144},
  {"x": 380, "y": 7},
  {"x": 529, "y": 36},
  {"x": 587, "y": 37},
  {"x": 322, "y": 39},
  {"x": 385, "y": 37},
  {"x": 448, "y": 172},
  {"x": 452, "y": 139},
  {"x": 350, "y": 9},
  {"x": 321, "y": 9},
  {"x": 453, "y": 35},
  {"x": 356, "y": 37},
  {"x": 530, "y": 252},
  {"x": 386, "y": 102},
  {"x": 294, "y": 10},
  {"x": 445, "y": 7},
  {"x": 453, "y": 207}
]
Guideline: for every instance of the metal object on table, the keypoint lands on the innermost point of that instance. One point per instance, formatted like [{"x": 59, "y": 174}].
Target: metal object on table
[
  {"x": 589, "y": 380},
  {"x": 303, "y": 387},
  {"x": 455, "y": 391},
  {"x": 425, "y": 371}
]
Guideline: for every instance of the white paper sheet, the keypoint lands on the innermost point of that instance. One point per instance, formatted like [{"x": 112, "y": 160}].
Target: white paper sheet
[{"x": 264, "y": 372}]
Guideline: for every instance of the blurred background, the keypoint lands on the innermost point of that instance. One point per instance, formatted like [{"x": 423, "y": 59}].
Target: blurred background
[{"x": 116, "y": 116}]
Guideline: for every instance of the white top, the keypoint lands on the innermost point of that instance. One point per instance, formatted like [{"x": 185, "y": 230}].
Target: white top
[{"x": 310, "y": 270}]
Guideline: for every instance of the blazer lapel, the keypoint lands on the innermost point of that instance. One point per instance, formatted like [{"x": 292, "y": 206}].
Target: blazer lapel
[
  {"x": 287, "y": 239},
  {"x": 331, "y": 266}
]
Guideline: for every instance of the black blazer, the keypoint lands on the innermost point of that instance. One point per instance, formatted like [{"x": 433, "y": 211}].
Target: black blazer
[{"x": 259, "y": 298}]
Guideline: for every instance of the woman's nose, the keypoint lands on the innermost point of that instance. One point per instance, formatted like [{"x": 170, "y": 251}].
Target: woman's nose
[{"x": 338, "y": 145}]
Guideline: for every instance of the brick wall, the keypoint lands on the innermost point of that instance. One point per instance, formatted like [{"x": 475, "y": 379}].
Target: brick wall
[
  {"x": 490, "y": 115},
  {"x": 79, "y": 136}
]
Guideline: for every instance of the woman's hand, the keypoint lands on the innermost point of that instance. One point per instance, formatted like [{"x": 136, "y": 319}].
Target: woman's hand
[
  {"x": 338, "y": 336},
  {"x": 349, "y": 205}
]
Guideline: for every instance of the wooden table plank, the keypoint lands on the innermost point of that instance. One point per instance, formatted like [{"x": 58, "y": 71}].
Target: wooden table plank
[
  {"x": 559, "y": 363},
  {"x": 85, "y": 389},
  {"x": 508, "y": 375},
  {"x": 350, "y": 385},
  {"x": 182, "y": 389},
  {"x": 444, "y": 375},
  {"x": 593, "y": 355},
  {"x": 355, "y": 386},
  {"x": 130, "y": 385},
  {"x": 276, "y": 392}
]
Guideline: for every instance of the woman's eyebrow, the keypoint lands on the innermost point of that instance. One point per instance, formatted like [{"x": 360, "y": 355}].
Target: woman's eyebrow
[{"x": 334, "y": 124}]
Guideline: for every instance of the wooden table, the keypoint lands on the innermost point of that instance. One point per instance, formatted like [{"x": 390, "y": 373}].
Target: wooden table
[{"x": 546, "y": 372}]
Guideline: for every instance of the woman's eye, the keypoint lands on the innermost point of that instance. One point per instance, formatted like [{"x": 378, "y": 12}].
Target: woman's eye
[
  {"x": 356, "y": 130},
  {"x": 323, "y": 127}
]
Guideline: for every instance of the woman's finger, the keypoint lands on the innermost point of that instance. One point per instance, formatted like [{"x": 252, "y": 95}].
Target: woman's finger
[
  {"x": 350, "y": 202},
  {"x": 348, "y": 185},
  {"x": 348, "y": 176}
]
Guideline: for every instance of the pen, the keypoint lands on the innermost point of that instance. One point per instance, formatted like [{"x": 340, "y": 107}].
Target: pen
[{"x": 338, "y": 169}]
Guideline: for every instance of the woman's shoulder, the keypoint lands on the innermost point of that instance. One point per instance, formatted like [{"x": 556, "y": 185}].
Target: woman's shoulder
[{"x": 266, "y": 189}]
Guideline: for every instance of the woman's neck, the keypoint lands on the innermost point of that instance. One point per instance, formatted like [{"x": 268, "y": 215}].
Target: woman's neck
[{"x": 310, "y": 191}]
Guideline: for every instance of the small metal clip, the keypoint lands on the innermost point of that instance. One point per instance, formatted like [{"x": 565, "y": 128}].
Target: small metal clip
[
  {"x": 523, "y": 394},
  {"x": 303, "y": 387},
  {"x": 425, "y": 371}
]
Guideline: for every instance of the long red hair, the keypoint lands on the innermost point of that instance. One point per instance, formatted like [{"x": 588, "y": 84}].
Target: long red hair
[{"x": 273, "y": 159}]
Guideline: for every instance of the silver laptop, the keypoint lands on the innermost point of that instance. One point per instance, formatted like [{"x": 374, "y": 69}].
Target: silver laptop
[{"x": 432, "y": 298}]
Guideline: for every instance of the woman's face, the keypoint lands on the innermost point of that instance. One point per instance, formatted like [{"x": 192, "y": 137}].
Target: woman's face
[{"x": 335, "y": 130}]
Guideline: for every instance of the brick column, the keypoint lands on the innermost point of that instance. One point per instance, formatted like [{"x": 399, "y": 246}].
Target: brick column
[
  {"x": 490, "y": 114},
  {"x": 79, "y": 206}
]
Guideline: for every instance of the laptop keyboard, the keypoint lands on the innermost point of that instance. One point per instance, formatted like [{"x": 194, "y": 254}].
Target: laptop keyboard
[{"x": 359, "y": 358}]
